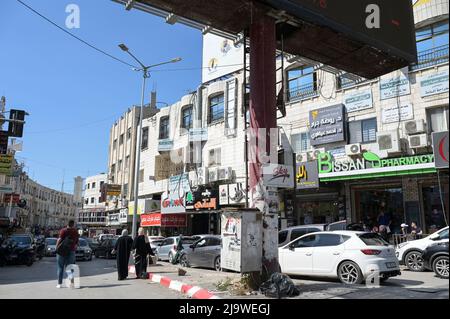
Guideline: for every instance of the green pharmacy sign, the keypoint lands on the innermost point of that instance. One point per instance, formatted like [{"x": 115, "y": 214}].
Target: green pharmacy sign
[{"x": 371, "y": 165}]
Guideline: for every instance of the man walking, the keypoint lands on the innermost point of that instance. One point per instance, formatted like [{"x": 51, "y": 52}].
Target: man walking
[
  {"x": 65, "y": 249},
  {"x": 123, "y": 250}
]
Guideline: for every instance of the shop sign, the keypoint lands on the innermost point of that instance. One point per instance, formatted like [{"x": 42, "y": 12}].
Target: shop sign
[
  {"x": 123, "y": 216},
  {"x": 198, "y": 134},
  {"x": 440, "y": 149},
  {"x": 165, "y": 145},
  {"x": 173, "y": 220},
  {"x": 357, "y": 101},
  {"x": 11, "y": 198},
  {"x": 372, "y": 165},
  {"x": 201, "y": 199},
  {"x": 6, "y": 164},
  {"x": 395, "y": 86},
  {"x": 172, "y": 204},
  {"x": 307, "y": 175},
  {"x": 278, "y": 175},
  {"x": 113, "y": 189},
  {"x": 231, "y": 194},
  {"x": 151, "y": 220},
  {"x": 391, "y": 113},
  {"x": 433, "y": 84},
  {"x": 5, "y": 188},
  {"x": 113, "y": 219},
  {"x": 327, "y": 125},
  {"x": 140, "y": 208}
]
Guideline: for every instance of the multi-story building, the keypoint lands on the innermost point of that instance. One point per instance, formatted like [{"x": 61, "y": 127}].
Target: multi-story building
[
  {"x": 92, "y": 215},
  {"x": 372, "y": 137}
]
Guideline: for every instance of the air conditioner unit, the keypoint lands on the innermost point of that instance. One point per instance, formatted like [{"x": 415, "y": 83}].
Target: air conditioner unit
[
  {"x": 212, "y": 174},
  {"x": 418, "y": 141},
  {"x": 302, "y": 157},
  {"x": 202, "y": 175},
  {"x": 317, "y": 152},
  {"x": 353, "y": 149},
  {"x": 415, "y": 127},
  {"x": 389, "y": 141},
  {"x": 224, "y": 173}
]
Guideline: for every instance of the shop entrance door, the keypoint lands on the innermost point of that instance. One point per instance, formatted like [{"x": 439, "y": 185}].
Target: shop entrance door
[{"x": 200, "y": 224}]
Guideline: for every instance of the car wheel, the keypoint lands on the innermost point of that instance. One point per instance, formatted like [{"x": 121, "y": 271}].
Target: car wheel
[
  {"x": 383, "y": 279},
  {"x": 184, "y": 261},
  {"x": 217, "y": 265},
  {"x": 440, "y": 267},
  {"x": 414, "y": 261},
  {"x": 349, "y": 273},
  {"x": 170, "y": 257}
]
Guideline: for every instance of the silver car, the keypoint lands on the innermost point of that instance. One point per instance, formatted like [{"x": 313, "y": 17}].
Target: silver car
[
  {"x": 50, "y": 250},
  {"x": 168, "y": 247},
  {"x": 205, "y": 252}
]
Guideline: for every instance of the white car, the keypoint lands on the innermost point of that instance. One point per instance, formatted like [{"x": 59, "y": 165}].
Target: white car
[
  {"x": 348, "y": 255},
  {"x": 410, "y": 253}
]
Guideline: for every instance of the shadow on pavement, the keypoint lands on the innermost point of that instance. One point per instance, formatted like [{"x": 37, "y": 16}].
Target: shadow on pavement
[
  {"x": 103, "y": 286},
  {"x": 45, "y": 270}
]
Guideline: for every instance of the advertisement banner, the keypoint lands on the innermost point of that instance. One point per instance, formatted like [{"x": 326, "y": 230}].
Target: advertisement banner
[
  {"x": 277, "y": 175},
  {"x": 327, "y": 125},
  {"x": 395, "y": 86},
  {"x": 358, "y": 101},
  {"x": 433, "y": 84},
  {"x": 391, "y": 114},
  {"x": 173, "y": 200},
  {"x": 151, "y": 220},
  {"x": 307, "y": 175}
]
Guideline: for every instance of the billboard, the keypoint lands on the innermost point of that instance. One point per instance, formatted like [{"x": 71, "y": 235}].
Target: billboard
[
  {"x": 327, "y": 125},
  {"x": 220, "y": 57}
]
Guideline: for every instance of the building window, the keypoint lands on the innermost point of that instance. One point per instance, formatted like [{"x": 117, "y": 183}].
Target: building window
[
  {"x": 216, "y": 108},
  {"x": 127, "y": 161},
  {"x": 92, "y": 200},
  {"x": 101, "y": 184},
  {"x": 144, "y": 143},
  {"x": 114, "y": 144},
  {"x": 437, "y": 119},
  {"x": 432, "y": 45},
  {"x": 121, "y": 139},
  {"x": 93, "y": 185},
  {"x": 186, "y": 117},
  {"x": 86, "y": 201},
  {"x": 87, "y": 186},
  {"x": 364, "y": 131},
  {"x": 119, "y": 166},
  {"x": 215, "y": 157},
  {"x": 300, "y": 142},
  {"x": 141, "y": 176},
  {"x": 129, "y": 133},
  {"x": 164, "y": 128},
  {"x": 302, "y": 83}
]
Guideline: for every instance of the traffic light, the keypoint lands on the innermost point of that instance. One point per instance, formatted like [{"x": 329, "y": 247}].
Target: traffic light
[{"x": 15, "y": 128}]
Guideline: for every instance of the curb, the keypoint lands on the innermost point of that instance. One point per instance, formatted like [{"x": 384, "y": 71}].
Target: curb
[{"x": 194, "y": 292}]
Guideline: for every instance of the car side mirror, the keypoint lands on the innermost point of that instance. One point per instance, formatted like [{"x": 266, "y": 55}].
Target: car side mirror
[{"x": 291, "y": 247}]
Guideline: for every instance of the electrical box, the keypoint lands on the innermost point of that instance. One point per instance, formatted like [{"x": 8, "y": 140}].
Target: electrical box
[{"x": 241, "y": 240}]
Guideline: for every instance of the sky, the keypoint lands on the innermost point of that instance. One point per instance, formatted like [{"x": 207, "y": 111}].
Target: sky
[{"x": 73, "y": 93}]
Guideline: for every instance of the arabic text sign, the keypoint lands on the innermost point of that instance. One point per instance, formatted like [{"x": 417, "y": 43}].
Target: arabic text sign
[
  {"x": 277, "y": 175},
  {"x": 358, "y": 101},
  {"x": 396, "y": 86},
  {"x": 434, "y": 84},
  {"x": 440, "y": 149},
  {"x": 307, "y": 175},
  {"x": 327, "y": 125},
  {"x": 391, "y": 114},
  {"x": 198, "y": 134},
  {"x": 165, "y": 145}
]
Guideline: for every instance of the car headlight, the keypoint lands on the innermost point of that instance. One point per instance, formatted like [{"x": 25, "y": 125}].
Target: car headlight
[
  {"x": 49, "y": 249},
  {"x": 88, "y": 251},
  {"x": 402, "y": 244}
]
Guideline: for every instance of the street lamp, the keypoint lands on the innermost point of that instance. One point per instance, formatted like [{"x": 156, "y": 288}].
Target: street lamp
[{"x": 145, "y": 75}]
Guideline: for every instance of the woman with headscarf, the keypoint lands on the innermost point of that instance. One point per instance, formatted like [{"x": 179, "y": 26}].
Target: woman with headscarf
[
  {"x": 123, "y": 250},
  {"x": 141, "y": 246}
]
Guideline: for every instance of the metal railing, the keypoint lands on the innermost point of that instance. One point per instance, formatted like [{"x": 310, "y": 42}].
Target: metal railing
[
  {"x": 302, "y": 92},
  {"x": 397, "y": 239},
  {"x": 431, "y": 57}
]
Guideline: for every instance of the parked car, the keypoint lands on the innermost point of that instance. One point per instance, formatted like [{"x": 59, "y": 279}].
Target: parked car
[
  {"x": 289, "y": 234},
  {"x": 103, "y": 237},
  {"x": 83, "y": 252},
  {"x": 50, "y": 251},
  {"x": 17, "y": 250},
  {"x": 106, "y": 249},
  {"x": 93, "y": 244},
  {"x": 204, "y": 252},
  {"x": 347, "y": 255},
  {"x": 166, "y": 250},
  {"x": 435, "y": 258},
  {"x": 410, "y": 253}
]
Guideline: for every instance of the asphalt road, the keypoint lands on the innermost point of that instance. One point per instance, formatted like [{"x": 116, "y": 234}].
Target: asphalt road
[{"x": 98, "y": 279}]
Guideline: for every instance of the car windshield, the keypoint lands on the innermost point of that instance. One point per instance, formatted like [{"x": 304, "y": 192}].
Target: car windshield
[
  {"x": 373, "y": 239},
  {"x": 22, "y": 240},
  {"x": 82, "y": 243},
  {"x": 51, "y": 241}
]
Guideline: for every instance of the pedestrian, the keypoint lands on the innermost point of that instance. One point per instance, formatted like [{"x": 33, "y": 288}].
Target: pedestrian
[
  {"x": 65, "y": 249},
  {"x": 415, "y": 230},
  {"x": 122, "y": 249},
  {"x": 141, "y": 246},
  {"x": 179, "y": 249}
]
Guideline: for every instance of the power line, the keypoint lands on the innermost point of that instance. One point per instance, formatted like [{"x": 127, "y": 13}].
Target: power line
[
  {"x": 74, "y": 36},
  {"x": 197, "y": 68}
]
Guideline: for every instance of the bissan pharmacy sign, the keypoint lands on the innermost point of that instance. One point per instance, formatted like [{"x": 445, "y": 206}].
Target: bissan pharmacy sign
[{"x": 371, "y": 166}]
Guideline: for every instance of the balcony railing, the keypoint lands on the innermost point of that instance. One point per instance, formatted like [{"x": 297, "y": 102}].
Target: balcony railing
[
  {"x": 302, "y": 92},
  {"x": 431, "y": 57}
]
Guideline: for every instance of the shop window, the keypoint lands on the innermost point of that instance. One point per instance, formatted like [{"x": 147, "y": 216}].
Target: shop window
[
  {"x": 364, "y": 131},
  {"x": 144, "y": 143},
  {"x": 186, "y": 117},
  {"x": 301, "y": 142},
  {"x": 432, "y": 206},
  {"x": 302, "y": 83},
  {"x": 437, "y": 119},
  {"x": 164, "y": 128},
  {"x": 216, "y": 108}
]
